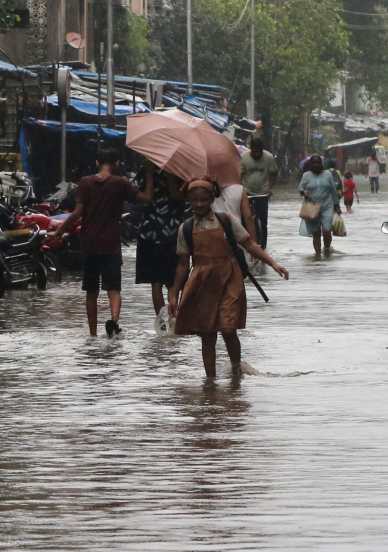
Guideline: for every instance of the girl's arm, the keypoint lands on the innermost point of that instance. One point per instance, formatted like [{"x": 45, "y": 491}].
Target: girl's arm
[
  {"x": 181, "y": 275},
  {"x": 259, "y": 253}
]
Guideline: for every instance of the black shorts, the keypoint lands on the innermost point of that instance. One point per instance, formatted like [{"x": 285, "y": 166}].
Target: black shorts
[
  {"x": 348, "y": 202},
  {"x": 156, "y": 263},
  {"x": 102, "y": 269}
]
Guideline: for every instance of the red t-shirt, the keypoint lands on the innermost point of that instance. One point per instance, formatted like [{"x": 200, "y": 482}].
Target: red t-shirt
[
  {"x": 349, "y": 188},
  {"x": 102, "y": 201}
]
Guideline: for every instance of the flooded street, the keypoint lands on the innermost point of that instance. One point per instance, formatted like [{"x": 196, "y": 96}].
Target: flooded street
[{"x": 123, "y": 446}]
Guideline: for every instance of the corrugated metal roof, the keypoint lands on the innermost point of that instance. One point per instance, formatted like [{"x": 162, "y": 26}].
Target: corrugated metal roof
[{"x": 352, "y": 143}]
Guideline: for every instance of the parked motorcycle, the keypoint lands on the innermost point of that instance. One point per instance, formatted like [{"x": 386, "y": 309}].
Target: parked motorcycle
[
  {"x": 21, "y": 261},
  {"x": 57, "y": 253},
  {"x": 16, "y": 188},
  {"x": 12, "y": 219}
]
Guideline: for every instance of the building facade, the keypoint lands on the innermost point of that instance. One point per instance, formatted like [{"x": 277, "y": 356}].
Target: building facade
[
  {"x": 147, "y": 8},
  {"x": 140, "y": 7},
  {"x": 44, "y": 38}
]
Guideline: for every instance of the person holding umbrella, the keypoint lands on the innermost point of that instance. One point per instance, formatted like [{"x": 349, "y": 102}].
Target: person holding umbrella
[{"x": 156, "y": 258}]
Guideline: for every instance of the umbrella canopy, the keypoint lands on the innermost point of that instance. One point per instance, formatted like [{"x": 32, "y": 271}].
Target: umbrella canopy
[{"x": 183, "y": 145}]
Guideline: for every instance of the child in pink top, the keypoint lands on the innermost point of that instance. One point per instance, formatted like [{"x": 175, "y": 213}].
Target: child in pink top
[{"x": 350, "y": 190}]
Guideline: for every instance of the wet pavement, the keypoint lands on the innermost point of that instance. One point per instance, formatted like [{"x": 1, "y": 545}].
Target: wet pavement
[{"x": 123, "y": 446}]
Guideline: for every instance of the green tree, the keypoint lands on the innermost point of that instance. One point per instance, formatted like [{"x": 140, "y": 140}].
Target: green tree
[
  {"x": 130, "y": 36},
  {"x": 368, "y": 61},
  {"x": 301, "y": 46},
  {"x": 8, "y": 18}
]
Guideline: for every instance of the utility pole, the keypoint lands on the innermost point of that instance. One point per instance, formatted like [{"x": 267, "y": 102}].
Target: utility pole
[
  {"x": 109, "y": 63},
  {"x": 61, "y": 29},
  {"x": 252, "y": 108},
  {"x": 86, "y": 30},
  {"x": 64, "y": 93},
  {"x": 189, "y": 47}
]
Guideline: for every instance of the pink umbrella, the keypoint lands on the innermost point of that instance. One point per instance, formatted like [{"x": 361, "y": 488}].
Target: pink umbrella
[{"x": 184, "y": 145}]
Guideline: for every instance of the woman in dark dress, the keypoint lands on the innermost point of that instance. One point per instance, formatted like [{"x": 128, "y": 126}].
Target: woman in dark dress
[{"x": 156, "y": 258}]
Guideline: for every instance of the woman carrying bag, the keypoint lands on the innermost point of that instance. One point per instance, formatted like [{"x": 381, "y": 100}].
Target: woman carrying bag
[{"x": 320, "y": 202}]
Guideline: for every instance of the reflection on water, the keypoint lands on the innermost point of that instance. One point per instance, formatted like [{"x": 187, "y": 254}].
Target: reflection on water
[{"x": 124, "y": 446}]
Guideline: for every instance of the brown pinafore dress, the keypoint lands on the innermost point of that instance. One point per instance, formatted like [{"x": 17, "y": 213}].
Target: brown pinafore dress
[{"x": 214, "y": 297}]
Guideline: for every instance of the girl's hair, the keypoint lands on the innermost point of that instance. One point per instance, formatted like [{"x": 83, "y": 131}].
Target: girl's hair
[
  {"x": 348, "y": 175},
  {"x": 216, "y": 187}
]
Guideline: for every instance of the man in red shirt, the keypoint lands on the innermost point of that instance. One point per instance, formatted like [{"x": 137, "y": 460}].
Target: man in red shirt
[{"x": 100, "y": 201}]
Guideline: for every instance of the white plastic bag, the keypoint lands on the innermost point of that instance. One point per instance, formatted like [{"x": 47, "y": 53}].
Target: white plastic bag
[
  {"x": 303, "y": 230},
  {"x": 164, "y": 324},
  {"x": 338, "y": 226}
]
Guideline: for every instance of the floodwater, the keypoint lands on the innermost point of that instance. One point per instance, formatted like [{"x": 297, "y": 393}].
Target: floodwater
[{"x": 123, "y": 446}]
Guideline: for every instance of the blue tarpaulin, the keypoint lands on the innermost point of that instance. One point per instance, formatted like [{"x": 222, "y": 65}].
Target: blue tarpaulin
[
  {"x": 91, "y": 108},
  {"x": 75, "y": 128},
  {"x": 13, "y": 71},
  {"x": 87, "y": 75},
  {"x": 199, "y": 107}
]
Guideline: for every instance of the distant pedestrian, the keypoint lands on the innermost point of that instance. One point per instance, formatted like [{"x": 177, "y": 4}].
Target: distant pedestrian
[
  {"x": 374, "y": 173},
  {"x": 318, "y": 186},
  {"x": 350, "y": 190},
  {"x": 99, "y": 204},
  {"x": 259, "y": 171},
  {"x": 332, "y": 167},
  {"x": 213, "y": 298}
]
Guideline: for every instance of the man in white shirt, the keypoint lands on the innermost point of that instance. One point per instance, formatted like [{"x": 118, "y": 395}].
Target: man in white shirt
[{"x": 374, "y": 173}]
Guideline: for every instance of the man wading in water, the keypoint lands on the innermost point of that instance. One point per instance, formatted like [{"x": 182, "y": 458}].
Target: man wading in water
[{"x": 100, "y": 201}]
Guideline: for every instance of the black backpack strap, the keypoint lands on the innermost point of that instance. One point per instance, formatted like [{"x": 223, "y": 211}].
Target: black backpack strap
[
  {"x": 226, "y": 223},
  {"x": 188, "y": 227}
]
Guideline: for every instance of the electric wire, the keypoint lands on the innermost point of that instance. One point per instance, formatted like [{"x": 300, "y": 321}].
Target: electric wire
[{"x": 364, "y": 13}]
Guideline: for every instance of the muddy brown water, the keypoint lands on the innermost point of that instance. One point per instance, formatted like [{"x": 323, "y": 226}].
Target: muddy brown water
[{"x": 123, "y": 446}]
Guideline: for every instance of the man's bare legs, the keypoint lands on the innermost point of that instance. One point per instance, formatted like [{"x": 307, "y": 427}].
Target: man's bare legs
[
  {"x": 115, "y": 304},
  {"x": 233, "y": 346},
  {"x": 91, "y": 310},
  {"x": 209, "y": 342}
]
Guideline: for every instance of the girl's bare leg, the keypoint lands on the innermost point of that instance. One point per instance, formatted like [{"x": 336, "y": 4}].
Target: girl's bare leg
[
  {"x": 209, "y": 342},
  {"x": 233, "y": 346},
  {"x": 317, "y": 243},
  {"x": 157, "y": 297}
]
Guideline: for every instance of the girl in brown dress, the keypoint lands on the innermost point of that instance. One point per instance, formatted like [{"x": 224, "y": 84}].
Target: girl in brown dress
[{"x": 213, "y": 298}]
